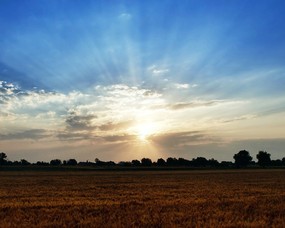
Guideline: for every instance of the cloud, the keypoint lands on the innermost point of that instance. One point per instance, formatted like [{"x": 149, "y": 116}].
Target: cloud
[
  {"x": 79, "y": 122},
  {"x": 123, "y": 90},
  {"x": 244, "y": 117},
  {"x": 188, "y": 105},
  {"x": 184, "y": 86},
  {"x": 180, "y": 139},
  {"x": 74, "y": 136},
  {"x": 183, "y": 105},
  {"x": 2, "y": 100},
  {"x": 119, "y": 138},
  {"x": 34, "y": 134},
  {"x": 115, "y": 126},
  {"x": 85, "y": 135},
  {"x": 157, "y": 70},
  {"x": 36, "y": 102},
  {"x": 160, "y": 71},
  {"x": 110, "y": 114},
  {"x": 101, "y": 99},
  {"x": 88, "y": 115},
  {"x": 271, "y": 111},
  {"x": 125, "y": 16},
  {"x": 8, "y": 89}
]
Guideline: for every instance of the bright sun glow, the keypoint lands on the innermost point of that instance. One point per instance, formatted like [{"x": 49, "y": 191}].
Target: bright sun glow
[{"x": 145, "y": 130}]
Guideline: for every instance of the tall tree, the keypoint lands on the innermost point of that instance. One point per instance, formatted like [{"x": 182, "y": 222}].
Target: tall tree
[
  {"x": 146, "y": 162},
  {"x": 242, "y": 158},
  {"x": 263, "y": 158}
]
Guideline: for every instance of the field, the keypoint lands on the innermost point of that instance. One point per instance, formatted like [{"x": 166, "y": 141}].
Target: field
[{"x": 234, "y": 198}]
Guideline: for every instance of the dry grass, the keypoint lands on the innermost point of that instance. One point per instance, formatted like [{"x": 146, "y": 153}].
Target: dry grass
[{"x": 254, "y": 198}]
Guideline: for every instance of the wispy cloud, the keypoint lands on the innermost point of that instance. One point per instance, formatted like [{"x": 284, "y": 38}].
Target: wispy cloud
[
  {"x": 74, "y": 136},
  {"x": 243, "y": 117},
  {"x": 185, "y": 85},
  {"x": 155, "y": 70},
  {"x": 110, "y": 126},
  {"x": 34, "y": 134},
  {"x": 120, "y": 138},
  {"x": 195, "y": 104},
  {"x": 125, "y": 16},
  {"x": 180, "y": 139}
]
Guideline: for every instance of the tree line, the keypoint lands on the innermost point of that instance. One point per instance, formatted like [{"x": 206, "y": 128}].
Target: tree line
[{"x": 242, "y": 159}]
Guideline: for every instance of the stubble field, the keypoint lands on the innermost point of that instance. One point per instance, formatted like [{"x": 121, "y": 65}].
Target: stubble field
[{"x": 246, "y": 198}]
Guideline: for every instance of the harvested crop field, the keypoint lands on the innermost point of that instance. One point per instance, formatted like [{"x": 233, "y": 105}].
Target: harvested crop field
[{"x": 234, "y": 198}]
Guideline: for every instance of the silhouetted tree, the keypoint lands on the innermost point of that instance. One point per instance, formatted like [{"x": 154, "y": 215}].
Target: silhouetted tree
[
  {"x": 136, "y": 163},
  {"x": 3, "y": 157},
  {"x": 25, "y": 162},
  {"x": 108, "y": 163},
  {"x": 146, "y": 162},
  {"x": 71, "y": 162},
  {"x": 125, "y": 163},
  {"x": 199, "y": 162},
  {"x": 41, "y": 163},
  {"x": 226, "y": 164},
  {"x": 242, "y": 158},
  {"x": 55, "y": 162},
  {"x": 17, "y": 163},
  {"x": 97, "y": 160},
  {"x": 172, "y": 161},
  {"x": 213, "y": 163},
  {"x": 160, "y": 162},
  {"x": 183, "y": 162},
  {"x": 276, "y": 162},
  {"x": 9, "y": 163},
  {"x": 111, "y": 163},
  {"x": 252, "y": 163},
  {"x": 263, "y": 158}
]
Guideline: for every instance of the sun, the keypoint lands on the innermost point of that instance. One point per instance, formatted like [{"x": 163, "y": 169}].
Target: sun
[{"x": 145, "y": 130}]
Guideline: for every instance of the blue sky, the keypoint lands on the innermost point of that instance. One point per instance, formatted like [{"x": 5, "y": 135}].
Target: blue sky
[{"x": 121, "y": 79}]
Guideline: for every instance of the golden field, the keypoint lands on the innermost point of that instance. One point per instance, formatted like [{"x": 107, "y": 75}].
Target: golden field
[{"x": 234, "y": 198}]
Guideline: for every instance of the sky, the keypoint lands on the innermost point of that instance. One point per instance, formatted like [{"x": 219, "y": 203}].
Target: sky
[{"x": 123, "y": 80}]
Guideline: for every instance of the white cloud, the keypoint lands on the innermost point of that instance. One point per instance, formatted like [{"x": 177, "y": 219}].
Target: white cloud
[
  {"x": 184, "y": 86},
  {"x": 155, "y": 70},
  {"x": 125, "y": 16},
  {"x": 98, "y": 107},
  {"x": 160, "y": 71},
  {"x": 8, "y": 88}
]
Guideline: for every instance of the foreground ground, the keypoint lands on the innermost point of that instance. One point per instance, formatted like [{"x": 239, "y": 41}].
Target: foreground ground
[{"x": 247, "y": 198}]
